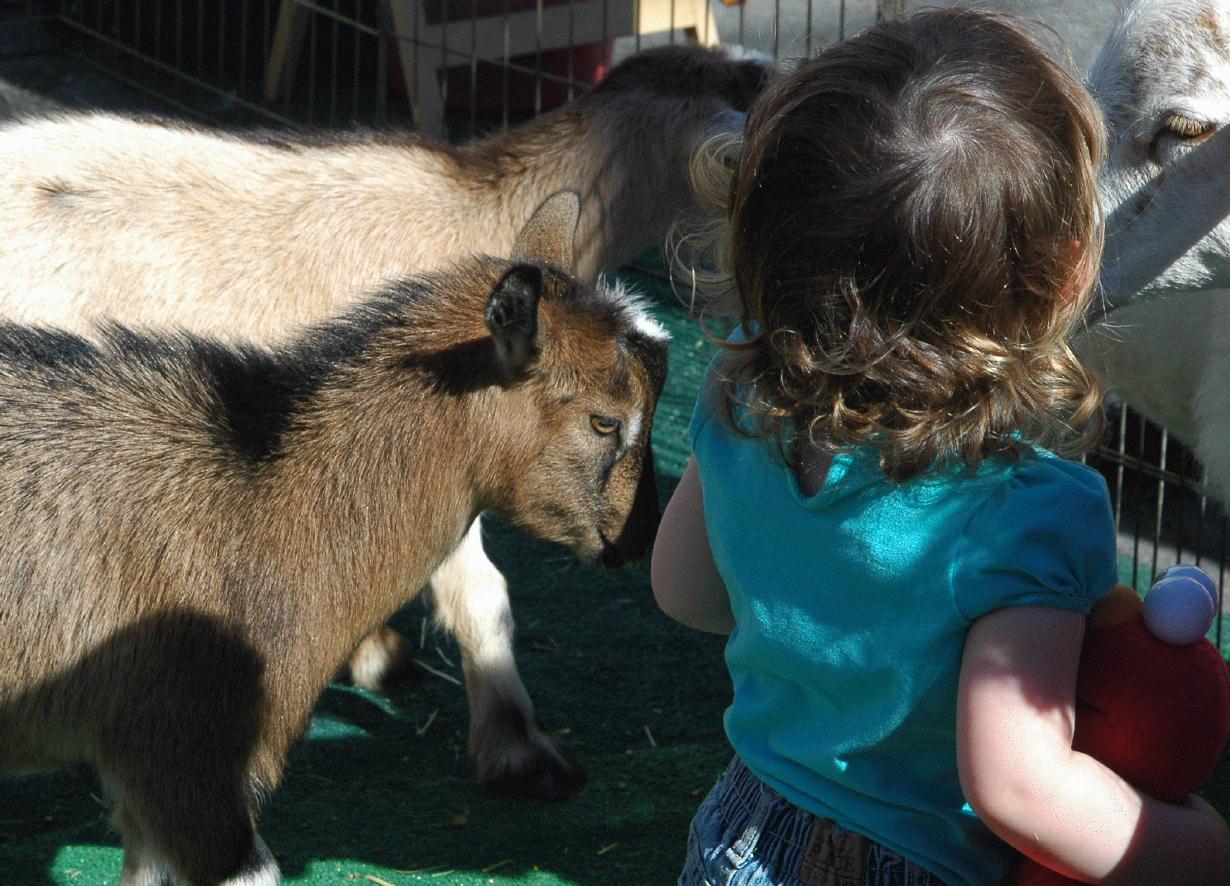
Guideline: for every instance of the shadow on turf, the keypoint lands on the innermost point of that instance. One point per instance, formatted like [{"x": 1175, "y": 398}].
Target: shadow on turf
[
  {"x": 371, "y": 800},
  {"x": 386, "y": 781}
]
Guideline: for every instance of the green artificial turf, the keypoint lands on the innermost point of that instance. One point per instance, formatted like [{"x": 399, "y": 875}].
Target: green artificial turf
[{"x": 381, "y": 790}]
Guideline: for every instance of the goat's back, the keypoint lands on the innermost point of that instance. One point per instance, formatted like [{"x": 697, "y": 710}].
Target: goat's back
[{"x": 155, "y": 222}]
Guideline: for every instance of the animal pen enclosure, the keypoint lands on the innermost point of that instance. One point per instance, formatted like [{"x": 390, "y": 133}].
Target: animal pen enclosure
[
  {"x": 462, "y": 68},
  {"x": 458, "y": 68}
]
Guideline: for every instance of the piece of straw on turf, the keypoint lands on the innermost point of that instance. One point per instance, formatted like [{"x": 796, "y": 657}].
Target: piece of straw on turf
[
  {"x": 422, "y": 730},
  {"x": 443, "y": 676}
]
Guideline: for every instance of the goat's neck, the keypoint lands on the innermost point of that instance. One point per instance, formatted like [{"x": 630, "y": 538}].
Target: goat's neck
[
  {"x": 576, "y": 148},
  {"x": 379, "y": 482}
]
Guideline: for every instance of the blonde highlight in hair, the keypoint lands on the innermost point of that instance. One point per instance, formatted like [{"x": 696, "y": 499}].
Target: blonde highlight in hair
[
  {"x": 698, "y": 247},
  {"x": 909, "y": 233}
]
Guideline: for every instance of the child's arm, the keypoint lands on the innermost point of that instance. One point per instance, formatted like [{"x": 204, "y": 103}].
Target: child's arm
[
  {"x": 1015, "y": 719},
  {"x": 685, "y": 580}
]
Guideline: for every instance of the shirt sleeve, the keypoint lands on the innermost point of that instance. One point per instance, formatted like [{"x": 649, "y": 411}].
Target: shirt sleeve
[
  {"x": 1045, "y": 536},
  {"x": 707, "y": 402}
]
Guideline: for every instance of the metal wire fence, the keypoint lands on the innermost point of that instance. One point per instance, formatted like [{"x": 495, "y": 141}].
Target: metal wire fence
[
  {"x": 450, "y": 66},
  {"x": 462, "y": 67}
]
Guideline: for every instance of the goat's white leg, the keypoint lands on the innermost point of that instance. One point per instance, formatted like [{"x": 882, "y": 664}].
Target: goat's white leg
[
  {"x": 260, "y": 868},
  {"x": 188, "y": 830},
  {"x": 143, "y": 867},
  {"x": 512, "y": 753},
  {"x": 143, "y": 864},
  {"x": 380, "y": 655}
]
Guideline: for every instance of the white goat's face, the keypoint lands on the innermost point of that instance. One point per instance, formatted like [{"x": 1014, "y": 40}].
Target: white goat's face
[{"x": 1163, "y": 81}]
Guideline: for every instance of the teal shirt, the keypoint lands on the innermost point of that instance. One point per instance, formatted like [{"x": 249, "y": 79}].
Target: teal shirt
[{"x": 851, "y": 609}]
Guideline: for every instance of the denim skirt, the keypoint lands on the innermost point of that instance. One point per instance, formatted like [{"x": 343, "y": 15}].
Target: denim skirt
[{"x": 747, "y": 834}]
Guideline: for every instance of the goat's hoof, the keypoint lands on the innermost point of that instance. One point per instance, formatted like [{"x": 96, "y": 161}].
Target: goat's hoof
[
  {"x": 547, "y": 772},
  {"x": 380, "y": 657}
]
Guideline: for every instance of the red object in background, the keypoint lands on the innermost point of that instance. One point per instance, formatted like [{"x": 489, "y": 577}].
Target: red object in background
[{"x": 589, "y": 64}]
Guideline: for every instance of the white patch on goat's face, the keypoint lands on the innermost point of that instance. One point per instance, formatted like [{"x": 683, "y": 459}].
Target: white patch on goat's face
[
  {"x": 635, "y": 424},
  {"x": 1163, "y": 81}
]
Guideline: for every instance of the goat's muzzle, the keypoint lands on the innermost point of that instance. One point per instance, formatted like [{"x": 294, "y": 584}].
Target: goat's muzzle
[{"x": 639, "y": 529}]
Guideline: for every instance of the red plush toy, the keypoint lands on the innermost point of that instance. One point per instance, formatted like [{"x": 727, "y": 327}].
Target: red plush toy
[{"x": 1152, "y": 694}]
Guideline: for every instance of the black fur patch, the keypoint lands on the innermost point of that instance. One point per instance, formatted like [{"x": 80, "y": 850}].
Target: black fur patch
[
  {"x": 689, "y": 72},
  {"x": 256, "y": 393}
]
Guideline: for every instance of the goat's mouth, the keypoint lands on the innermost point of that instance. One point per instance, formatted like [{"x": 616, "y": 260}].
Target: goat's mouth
[{"x": 610, "y": 555}]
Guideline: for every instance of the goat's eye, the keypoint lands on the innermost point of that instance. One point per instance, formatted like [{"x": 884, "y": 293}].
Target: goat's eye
[
  {"x": 1186, "y": 128},
  {"x": 604, "y": 425}
]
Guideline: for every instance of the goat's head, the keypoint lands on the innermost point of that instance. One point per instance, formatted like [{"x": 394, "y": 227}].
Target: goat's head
[
  {"x": 1163, "y": 81},
  {"x": 644, "y": 123},
  {"x": 583, "y": 367}
]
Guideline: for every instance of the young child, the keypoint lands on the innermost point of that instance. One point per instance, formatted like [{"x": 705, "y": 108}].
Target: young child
[{"x": 874, "y": 510}]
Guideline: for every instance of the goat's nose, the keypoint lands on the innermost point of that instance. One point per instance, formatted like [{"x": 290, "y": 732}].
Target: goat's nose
[{"x": 641, "y": 526}]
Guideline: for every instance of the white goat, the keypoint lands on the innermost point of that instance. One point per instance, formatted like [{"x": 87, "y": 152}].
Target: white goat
[{"x": 1163, "y": 80}]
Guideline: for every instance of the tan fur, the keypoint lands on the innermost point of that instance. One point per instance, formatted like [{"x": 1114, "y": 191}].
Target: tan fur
[
  {"x": 248, "y": 237},
  {"x": 173, "y": 598},
  {"x": 157, "y": 222}
]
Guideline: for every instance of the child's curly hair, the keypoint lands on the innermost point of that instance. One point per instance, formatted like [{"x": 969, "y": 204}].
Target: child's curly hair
[{"x": 913, "y": 225}]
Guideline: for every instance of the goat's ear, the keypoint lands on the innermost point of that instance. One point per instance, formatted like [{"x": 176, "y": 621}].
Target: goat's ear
[
  {"x": 549, "y": 234},
  {"x": 512, "y": 317}
]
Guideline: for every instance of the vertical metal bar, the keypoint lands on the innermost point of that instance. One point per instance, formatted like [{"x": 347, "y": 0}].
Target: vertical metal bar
[
  {"x": 777, "y": 18},
  {"x": 1140, "y": 451},
  {"x": 570, "y": 71},
  {"x": 311, "y": 81},
  {"x": 356, "y": 73},
  {"x": 441, "y": 77},
  {"x": 245, "y": 22},
  {"x": 200, "y": 40},
  {"x": 384, "y": 30},
  {"x": 507, "y": 59},
  {"x": 887, "y": 9},
  {"x": 221, "y": 46},
  {"x": 841, "y": 21},
  {"x": 179, "y": 35},
  {"x": 334, "y": 43},
  {"x": 1161, "y": 500},
  {"x": 1221, "y": 581},
  {"x": 1201, "y": 514},
  {"x": 538, "y": 58},
  {"x": 473, "y": 68},
  {"x": 1178, "y": 507},
  {"x": 1119, "y": 468},
  {"x": 807, "y": 51}
]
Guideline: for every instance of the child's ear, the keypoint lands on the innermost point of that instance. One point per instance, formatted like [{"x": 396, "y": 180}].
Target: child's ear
[{"x": 512, "y": 318}]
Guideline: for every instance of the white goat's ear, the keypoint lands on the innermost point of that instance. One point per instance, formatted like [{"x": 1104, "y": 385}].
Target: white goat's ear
[
  {"x": 549, "y": 234},
  {"x": 512, "y": 317}
]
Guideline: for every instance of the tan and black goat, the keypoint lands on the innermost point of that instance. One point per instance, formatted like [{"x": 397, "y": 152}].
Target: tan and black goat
[
  {"x": 197, "y": 534},
  {"x": 156, "y": 223}
]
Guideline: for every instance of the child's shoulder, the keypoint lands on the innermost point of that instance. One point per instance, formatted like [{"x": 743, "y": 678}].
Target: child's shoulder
[
  {"x": 1043, "y": 534},
  {"x": 1041, "y": 470}
]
